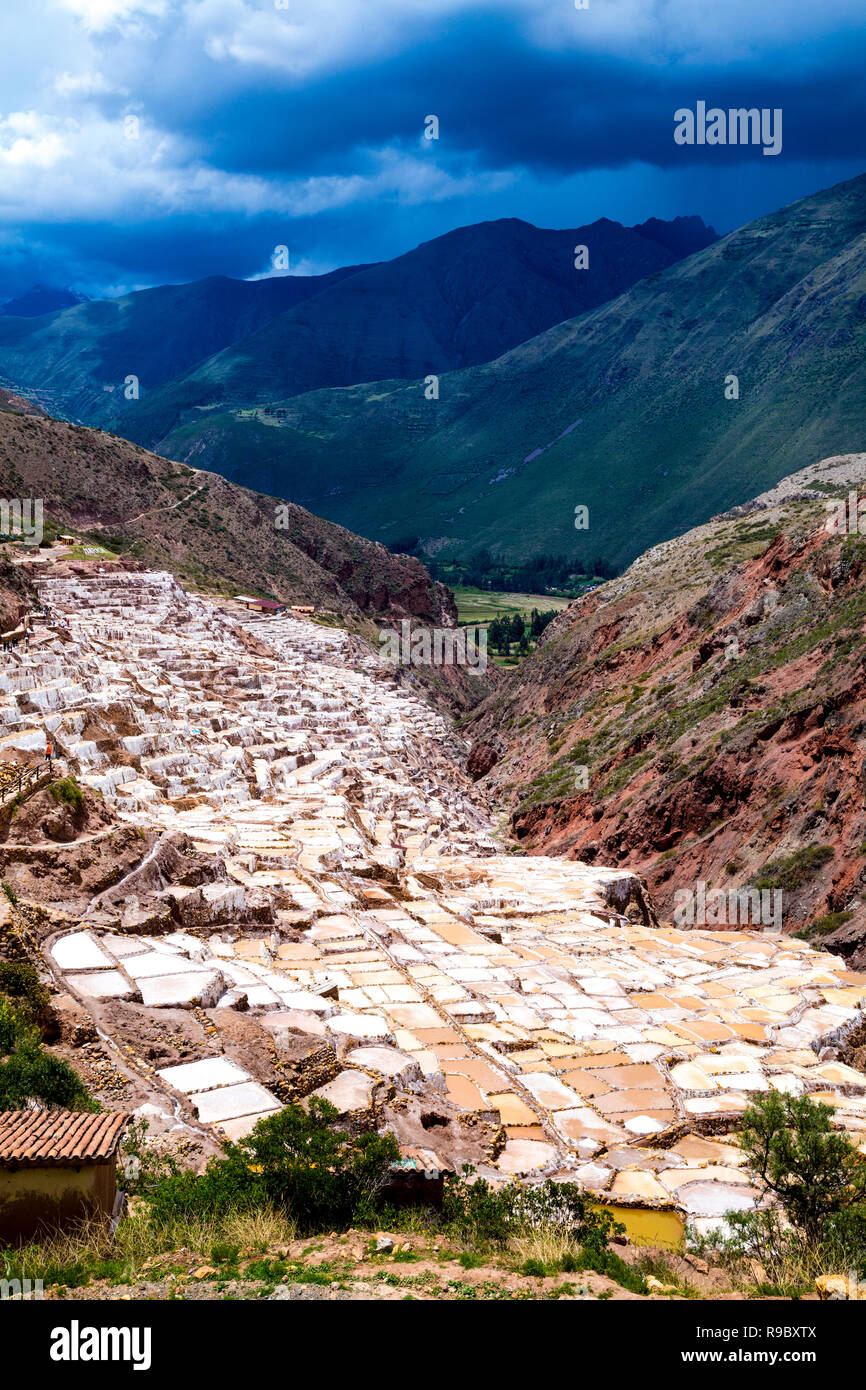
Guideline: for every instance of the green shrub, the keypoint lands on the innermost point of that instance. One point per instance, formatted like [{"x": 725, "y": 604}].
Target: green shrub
[
  {"x": 67, "y": 789},
  {"x": 142, "y": 1166},
  {"x": 225, "y": 1254},
  {"x": 13, "y": 1027},
  {"x": 822, "y": 926},
  {"x": 20, "y": 982},
  {"x": 293, "y": 1161},
  {"x": 795, "y": 870},
  {"x": 477, "y": 1212},
  {"x": 815, "y": 1172},
  {"x": 30, "y": 1074}
]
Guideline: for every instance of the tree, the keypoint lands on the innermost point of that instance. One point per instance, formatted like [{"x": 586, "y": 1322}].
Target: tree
[
  {"x": 29, "y": 1074},
  {"x": 815, "y": 1172},
  {"x": 498, "y": 636}
]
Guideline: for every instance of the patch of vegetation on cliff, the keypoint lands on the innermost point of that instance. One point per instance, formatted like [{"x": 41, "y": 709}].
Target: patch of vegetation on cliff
[
  {"x": 822, "y": 926},
  {"x": 792, "y": 871},
  {"x": 67, "y": 790}
]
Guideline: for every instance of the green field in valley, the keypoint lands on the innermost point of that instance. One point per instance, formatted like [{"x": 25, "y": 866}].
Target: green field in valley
[{"x": 483, "y": 605}]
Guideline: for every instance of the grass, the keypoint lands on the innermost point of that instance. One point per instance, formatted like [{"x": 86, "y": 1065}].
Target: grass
[
  {"x": 251, "y": 1248},
  {"x": 784, "y": 1265},
  {"x": 791, "y": 872},
  {"x": 483, "y": 605},
  {"x": 84, "y": 1253}
]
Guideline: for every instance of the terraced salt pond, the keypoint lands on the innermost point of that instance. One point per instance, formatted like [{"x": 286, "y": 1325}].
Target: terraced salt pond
[{"x": 611, "y": 1051}]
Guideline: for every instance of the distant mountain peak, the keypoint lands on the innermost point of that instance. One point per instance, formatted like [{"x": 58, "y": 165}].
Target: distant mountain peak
[
  {"x": 683, "y": 235},
  {"x": 41, "y": 299}
]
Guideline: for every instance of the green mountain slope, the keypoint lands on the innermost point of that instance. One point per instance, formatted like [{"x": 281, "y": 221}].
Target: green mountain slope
[
  {"x": 75, "y": 360},
  {"x": 622, "y": 410},
  {"x": 457, "y": 300}
]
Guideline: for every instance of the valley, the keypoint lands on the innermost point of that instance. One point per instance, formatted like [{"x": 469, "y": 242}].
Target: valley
[{"x": 432, "y": 679}]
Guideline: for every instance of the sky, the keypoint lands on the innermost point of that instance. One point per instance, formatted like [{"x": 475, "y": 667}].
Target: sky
[{"x": 152, "y": 141}]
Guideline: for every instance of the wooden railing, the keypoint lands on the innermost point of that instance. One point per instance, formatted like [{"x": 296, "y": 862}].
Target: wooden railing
[{"x": 20, "y": 782}]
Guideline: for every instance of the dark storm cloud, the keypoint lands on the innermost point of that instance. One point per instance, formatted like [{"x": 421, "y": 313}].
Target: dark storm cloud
[{"x": 243, "y": 150}]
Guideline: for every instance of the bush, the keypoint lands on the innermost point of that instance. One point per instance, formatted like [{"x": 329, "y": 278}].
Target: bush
[
  {"x": 482, "y": 1214},
  {"x": 795, "y": 870},
  {"x": 20, "y": 982},
  {"x": 822, "y": 926},
  {"x": 13, "y": 1027},
  {"x": 292, "y": 1161},
  {"x": 67, "y": 789},
  {"x": 30, "y": 1074},
  {"x": 816, "y": 1173},
  {"x": 142, "y": 1166}
]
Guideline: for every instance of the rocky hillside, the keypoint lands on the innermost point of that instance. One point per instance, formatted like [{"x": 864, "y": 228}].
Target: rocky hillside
[
  {"x": 17, "y": 595},
  {"x": 208, "y": 531},
  {"x": 703, "y": 716}
]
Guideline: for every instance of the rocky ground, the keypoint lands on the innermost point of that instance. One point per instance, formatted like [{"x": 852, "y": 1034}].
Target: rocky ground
[{"x": 363, "y": 1265}]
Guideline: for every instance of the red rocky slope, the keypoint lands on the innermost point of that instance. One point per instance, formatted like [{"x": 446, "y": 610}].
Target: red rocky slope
[{"x": 715, "y": 695}]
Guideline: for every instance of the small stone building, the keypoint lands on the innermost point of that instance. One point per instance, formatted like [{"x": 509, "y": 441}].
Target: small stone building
[{"x": 56, "y": 1168}]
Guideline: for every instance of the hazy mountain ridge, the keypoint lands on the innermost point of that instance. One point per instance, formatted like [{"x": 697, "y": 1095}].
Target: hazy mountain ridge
[
  {"x": 41, "y": 299},
  {"x": 76, "y": 361}
]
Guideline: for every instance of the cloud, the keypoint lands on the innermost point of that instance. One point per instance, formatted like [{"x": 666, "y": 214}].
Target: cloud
[
  {"x": 83, "y": 84},
  {"x": 26, "y": 145},
  {"x": 303, "y": 125},
  {"x": 126, "y": 168},
  {"x": 97, "y": 16}
]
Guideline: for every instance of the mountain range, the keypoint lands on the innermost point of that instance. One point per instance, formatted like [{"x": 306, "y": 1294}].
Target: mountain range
[
  {"x": 458, "y": 300},
  {"x": 481, "y": 391},
  {"x": 699, "y": 385}
]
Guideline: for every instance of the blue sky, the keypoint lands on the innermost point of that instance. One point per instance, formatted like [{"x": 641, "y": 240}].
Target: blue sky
[{"x": 144, "y": 141}]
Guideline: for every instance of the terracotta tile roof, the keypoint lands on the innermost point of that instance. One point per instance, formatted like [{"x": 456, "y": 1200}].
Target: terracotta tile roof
[{"x": 34, "y": 1138}]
